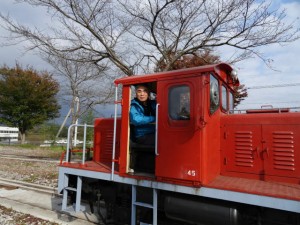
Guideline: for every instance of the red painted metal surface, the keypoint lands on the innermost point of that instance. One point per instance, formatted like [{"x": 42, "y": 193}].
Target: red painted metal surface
[
  {"x": 178, "y": 142},
  {"x": 124, "y": 137},
  {"x": 250, "y": 186},
  {"x": 223, "y": 70},
  {"x": 261, "y": 146},
  {"x": 103, "y": 140},
  {"x": 90, "y": 166}
]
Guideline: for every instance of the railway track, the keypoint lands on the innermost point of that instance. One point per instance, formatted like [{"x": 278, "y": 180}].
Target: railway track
[
  {"x": 14, "y": 184},
  {"x": 38, "y": 200},
  {"x": 29, "y": 158}
]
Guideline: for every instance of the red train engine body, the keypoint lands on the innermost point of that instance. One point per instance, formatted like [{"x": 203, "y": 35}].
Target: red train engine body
[{"x": 209, "y": 165}]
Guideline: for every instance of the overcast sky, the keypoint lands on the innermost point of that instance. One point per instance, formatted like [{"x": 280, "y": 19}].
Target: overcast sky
[{"x": 251, "y": 72}]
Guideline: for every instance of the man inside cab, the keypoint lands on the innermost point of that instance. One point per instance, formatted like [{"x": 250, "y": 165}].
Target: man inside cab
[{"x": 142, "y": 116}]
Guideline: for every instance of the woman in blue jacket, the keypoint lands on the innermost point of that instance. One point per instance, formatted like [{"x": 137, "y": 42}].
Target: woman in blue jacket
[{"x": 142, "y": 116}]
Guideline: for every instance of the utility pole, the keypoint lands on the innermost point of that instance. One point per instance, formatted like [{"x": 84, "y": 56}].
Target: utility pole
[
  {"x": 63, "y": 124},
  {"x": 65, "y": 120},
  {"x": 77, "y": 110}
]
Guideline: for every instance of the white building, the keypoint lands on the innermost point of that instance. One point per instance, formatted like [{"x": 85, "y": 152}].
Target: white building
[{"x": 9, "y": 133}]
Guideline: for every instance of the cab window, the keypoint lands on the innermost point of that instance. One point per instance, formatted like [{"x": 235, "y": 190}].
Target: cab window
[
  {"x": 231, "y": 102},
  {"x": 214, "y": 94},
  {"x": 179, "y": 102},
  {"x": 224, "y": 98}
]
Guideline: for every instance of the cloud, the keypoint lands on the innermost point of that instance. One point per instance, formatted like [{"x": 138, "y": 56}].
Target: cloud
[
  {"x": 285, "y": 57},
  {"x": 28, "y": 16}
]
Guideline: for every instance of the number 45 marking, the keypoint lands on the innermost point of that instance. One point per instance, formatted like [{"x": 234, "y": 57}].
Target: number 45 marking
[{"x": 191, "y": 173}]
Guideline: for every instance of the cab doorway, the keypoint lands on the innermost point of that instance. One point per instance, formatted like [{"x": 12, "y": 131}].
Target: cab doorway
[{"x": 142, "y": 120}]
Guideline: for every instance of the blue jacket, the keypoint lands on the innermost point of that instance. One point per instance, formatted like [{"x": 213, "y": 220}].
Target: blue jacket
[{"x": 140, "y": 120}]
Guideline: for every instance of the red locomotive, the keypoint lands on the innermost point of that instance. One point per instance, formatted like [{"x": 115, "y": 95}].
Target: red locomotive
[{"x": 209, "y": 164}]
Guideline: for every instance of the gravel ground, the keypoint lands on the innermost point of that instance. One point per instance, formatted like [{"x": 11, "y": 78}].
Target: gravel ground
[
  {"x": 11, "y": 217},
  {"x": 43, "y": 173}
]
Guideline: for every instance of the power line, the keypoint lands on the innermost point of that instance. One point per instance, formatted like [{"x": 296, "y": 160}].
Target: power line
[
  {"x": 274, "y": 86},
  {"x": 268, "y": 103}
]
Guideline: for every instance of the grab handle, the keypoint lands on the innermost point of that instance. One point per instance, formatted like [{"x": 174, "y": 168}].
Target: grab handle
[{"x": 156, "y": 129}]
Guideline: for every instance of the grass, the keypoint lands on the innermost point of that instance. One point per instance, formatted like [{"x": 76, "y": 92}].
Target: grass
[
  {"x": 51, "y": 151},
  {"x": 31, "y": 179},
  {"x": 27, "y": 164},
  {"x": 51, "y": 176},
  {"x": 27, "y": 146},
  {"x": 36, "y": 151},
  {"x": 32, "y": 146}
]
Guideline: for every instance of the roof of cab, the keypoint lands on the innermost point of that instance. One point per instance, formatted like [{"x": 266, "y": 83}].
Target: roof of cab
[{"x": 128, "y": 80}]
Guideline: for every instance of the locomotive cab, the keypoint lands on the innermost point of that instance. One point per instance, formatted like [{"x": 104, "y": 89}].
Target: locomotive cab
[{"x": 187, "y": 115}]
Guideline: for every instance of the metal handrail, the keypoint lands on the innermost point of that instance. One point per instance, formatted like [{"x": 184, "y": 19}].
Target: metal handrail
[
  {"x": 84, "y": 140},
  {"x": 115, "y": 135}
]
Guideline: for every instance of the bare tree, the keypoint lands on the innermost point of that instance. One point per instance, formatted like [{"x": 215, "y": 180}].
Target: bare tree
[
  {"x": 88, "y": 30},
  {"x": 134, "y": 36},
  {"x": 86, "y": 81},
  {"x": 86, "y": 84},
  {"x": 172, "y": 28}
]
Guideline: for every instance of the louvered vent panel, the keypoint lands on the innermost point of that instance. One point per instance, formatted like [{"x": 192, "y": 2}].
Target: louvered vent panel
[
  {"x": 243, "y": 149},
  {"x": 283, "y": 150},
  {"x": 107, "y": 146}
]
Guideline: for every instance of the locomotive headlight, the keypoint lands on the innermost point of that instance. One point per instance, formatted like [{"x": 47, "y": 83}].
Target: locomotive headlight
[{"x": 234, "y": 75}]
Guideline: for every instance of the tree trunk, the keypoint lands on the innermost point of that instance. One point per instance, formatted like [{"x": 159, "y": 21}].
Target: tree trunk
[{"x": 22, "y": 138}]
